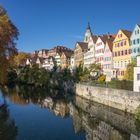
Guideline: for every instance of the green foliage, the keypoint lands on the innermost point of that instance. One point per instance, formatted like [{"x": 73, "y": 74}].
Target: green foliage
[
  {"x": 130, "y": 71},
  {"x": 137, "y": 118},
  {"x": 127, "y": 85},
  {"x": 81, "y": 74},
  {"x": 137, "y": 114},
  {"x": 34, "y": 76},
  {"x": 116, "y": 84},
  {"x": 11, "y": 77}
]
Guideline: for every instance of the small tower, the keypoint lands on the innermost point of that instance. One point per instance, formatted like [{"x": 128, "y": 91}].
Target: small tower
[{"x": 88, "y": 33}]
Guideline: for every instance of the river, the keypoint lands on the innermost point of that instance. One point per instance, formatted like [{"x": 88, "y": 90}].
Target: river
[{"x": 35, "y": 114}]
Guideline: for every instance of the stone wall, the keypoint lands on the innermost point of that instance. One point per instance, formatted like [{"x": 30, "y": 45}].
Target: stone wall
[{"x": 121, "y": 99}]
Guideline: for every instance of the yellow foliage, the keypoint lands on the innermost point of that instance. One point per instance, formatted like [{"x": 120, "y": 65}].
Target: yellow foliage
[{"x": 20, "y": 58}]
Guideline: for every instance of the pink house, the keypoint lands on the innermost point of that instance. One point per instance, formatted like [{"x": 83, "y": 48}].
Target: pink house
[{"x": 108, "y": 59}]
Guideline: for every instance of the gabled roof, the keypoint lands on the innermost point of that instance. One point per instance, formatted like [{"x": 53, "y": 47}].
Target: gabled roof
[
  {"x": 68, "y": 54},
  {"x": 110, "y": 40},
  {"x": 83, "y": 45},
  {"x": 127, "y": 33},
  {"x": 110, "y": 44},
  {"x": 138, "y": 25},
  {"x": 94, "y": 38},
  {"x": 104, "y": 38}
]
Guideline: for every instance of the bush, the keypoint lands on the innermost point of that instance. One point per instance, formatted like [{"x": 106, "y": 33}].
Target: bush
[
  {"x": 137, "y": 114},
  {"x": 101, "y": 79},
  {"x": 126, "y": 85}
]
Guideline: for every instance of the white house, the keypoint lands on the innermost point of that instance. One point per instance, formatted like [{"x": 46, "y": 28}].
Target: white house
[
  {"x": 58, "y": 59},
  {"x": 136, "y": 84},
  {"x": 89, "y": 56},
  {"x": 48, "y": 63}
]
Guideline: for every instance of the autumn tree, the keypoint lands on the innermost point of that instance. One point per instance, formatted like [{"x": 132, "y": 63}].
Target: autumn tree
[
  {"x": 20, "y": 58},
  {"x": 8, "y": 35}
]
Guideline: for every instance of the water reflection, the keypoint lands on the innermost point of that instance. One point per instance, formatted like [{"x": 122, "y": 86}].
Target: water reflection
[
  {"x": 8, "y": 129},
  {"x": 97, "y": 121}
]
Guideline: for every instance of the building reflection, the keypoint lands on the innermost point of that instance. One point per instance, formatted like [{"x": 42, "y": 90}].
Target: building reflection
[{"x": 97, "y": 121}]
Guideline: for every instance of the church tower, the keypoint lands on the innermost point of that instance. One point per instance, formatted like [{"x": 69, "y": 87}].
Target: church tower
[{"x": 88, "y": 34}]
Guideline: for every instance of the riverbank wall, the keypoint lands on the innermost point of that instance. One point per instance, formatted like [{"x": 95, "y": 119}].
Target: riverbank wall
[{"x": 125, "y": 100}]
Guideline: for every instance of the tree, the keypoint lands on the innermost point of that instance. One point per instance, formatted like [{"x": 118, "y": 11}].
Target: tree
[
  {"x": 129, "y": 75},
  {"x": 20, "y": 58},
  {"x": 8, "y": 34},
  {"x": 95, "y": 70}
]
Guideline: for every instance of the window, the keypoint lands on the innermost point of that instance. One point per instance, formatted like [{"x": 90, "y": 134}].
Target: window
[
  {"x": 122, "y": 53},
  {"x": 121, "y": 43},
  {"x": 118, "y": 44},
  {"x": 134, "y": 42},
  {"x": 138, "y": 49},
  {"x": 125, "y": 52},
  {"x": 119, "y": 53},
  {"x": 138, "y": 76},
  {"x": 124, "y": 42},
  {"x": 135, "y": 50},
  {"x": 138, "y": 31},
  {"x": 138, "y": 41}
]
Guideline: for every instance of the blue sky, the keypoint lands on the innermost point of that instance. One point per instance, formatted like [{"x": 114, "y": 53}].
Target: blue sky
[{"x": 47, "y": 23}]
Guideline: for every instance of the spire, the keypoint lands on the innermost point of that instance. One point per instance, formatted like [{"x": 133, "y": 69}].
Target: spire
[
  {"x": 88, "y": 26},
  {"x": 88, "y": 33}
]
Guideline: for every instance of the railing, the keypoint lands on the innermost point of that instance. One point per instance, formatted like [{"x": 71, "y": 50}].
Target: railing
[{"x": 125, "y": 85}]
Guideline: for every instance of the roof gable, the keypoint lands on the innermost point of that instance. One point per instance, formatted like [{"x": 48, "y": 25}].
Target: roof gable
[
  {"x": 122, "y": 34},
  {"x": 137, "y": 27},
  {"x": 82, "y": 45}
]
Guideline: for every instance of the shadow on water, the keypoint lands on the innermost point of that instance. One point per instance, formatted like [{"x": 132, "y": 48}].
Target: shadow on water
[
  {"x": 8, "y": 129},
  {"x": 95, "y": 120}
]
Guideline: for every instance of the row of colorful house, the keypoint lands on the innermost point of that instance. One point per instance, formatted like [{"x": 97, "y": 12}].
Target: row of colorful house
[
  {"x": 113, "y": 51},
  {"x": 47, "y": 59}
]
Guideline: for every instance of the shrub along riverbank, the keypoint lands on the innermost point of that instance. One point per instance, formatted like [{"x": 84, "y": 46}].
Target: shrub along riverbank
[{"x": 39, "y": 77}]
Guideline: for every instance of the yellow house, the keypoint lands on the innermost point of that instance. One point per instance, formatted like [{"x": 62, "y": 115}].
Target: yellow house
[
  {"x": 80, "y": 49},
  {"x": 121, "y": 54}
]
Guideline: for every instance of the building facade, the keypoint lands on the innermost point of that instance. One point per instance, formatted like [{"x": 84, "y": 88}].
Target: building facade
[
  {"x": 121, "y": 53},
  {"x": 108, "y": 60},
  {"x": 135, "y": 42},
  {"x": 99, "y": 49},
  {"x": 89, "y": 56},
  {"x": 58, "y": 59},
  {"x": 48, "y": 63},
  {"x": 72, "y": 63},
  {"x": 66, "y": 59},
  {"x": 80, "y": 49},
  {"x": 136, "y": 84}
]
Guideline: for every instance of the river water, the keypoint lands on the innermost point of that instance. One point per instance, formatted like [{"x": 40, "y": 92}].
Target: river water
[{"x": 35, "y": 114}]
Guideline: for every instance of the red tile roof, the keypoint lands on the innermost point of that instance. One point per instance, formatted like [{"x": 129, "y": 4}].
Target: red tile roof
[
  {"x": 127, "y": 33},
  {"x": 83, "y": 45}
]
